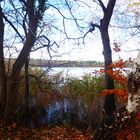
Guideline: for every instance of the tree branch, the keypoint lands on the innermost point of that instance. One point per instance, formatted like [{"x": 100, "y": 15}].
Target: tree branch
[
  {"x": 110, "y": 7},
  {"x": 70, "y": 10},
  {"x": 92, "y": 28},
  {"x": 24, "y": 25},
  {"x": 104, "y": 22},
  {"x": 102, "y": 6},
  {"x": 7, "y": 20}
]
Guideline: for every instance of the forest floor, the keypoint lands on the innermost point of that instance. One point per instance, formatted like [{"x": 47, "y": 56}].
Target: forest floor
[
  {"x": 19, "y": 132},
  {"x": 16, "y": 132}
]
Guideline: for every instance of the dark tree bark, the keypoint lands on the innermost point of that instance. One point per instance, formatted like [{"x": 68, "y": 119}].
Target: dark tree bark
[
  {"x": 3, "y": 77},
  {"x": 14, "y": 80},
  {"x": 27, "y": 91},
  {"x": 109, "y": 103},
  {"x": 34, "y": 16}
]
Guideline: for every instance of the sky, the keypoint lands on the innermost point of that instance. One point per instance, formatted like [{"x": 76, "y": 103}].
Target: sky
[
  {"x": 91, "y": 48},
  {"x": 90, "y": 51}
]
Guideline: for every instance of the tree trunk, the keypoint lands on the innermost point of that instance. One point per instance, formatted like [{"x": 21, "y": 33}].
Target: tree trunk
[
  {"x": 34, "y": 16},
  {"x": 104, "y": 133},
  {"x": 3, "y": 77},
  {"x": 12, "y": 96},
  {"x": 14, "y": 80},
  {"x": 27, "y": 91},
  {"x": 109, "y": 103}
]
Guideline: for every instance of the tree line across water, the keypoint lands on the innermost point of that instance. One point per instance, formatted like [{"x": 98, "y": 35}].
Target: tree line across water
[{"x": 65, "y": 63}]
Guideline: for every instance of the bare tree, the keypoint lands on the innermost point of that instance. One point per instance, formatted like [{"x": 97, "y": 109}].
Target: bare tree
[
  {"x": 24, "y": 23},
  {"x": 109, "y": 103},
  {"x": 10, "y": 87}
]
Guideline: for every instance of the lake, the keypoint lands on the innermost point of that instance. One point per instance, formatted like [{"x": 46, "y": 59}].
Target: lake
[{"x": 77, "y": 71}]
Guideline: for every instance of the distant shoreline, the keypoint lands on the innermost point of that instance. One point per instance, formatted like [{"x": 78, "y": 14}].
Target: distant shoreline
[{"x": 63, "y": 63}]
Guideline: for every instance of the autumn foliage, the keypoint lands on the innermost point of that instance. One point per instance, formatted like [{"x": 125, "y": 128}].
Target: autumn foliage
[
  {"x": 130, "y": 128},
  {"x": 19, "y": 132},
  {"x": 117, "y": 72}
]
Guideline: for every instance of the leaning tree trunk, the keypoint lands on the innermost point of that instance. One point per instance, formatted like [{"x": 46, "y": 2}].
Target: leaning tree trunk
[
  {"x": 3, "y": 77},
  {"x": 14, "y": 79},
  {"x": 35, "y": 15}
]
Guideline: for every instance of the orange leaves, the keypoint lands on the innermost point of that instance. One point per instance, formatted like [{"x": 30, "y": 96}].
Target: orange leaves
[
  {"x": 125, "y": 135},
  {"x": 64, "y": 133},
  {"x": 116, "y": 72},
  {"x": 14, "y": 132},
  {"x": 14, "y": 125},
  {"x": 122, "y": 94},
  {"x": 130, "y": 129},
  {"x": 117, "y": 75},
  {"x": 129, "y": 132},
  {"x": 119, "y": 64}
]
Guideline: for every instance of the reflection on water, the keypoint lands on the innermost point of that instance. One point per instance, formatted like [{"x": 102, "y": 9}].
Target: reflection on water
[{"x": 71, "y": 111}]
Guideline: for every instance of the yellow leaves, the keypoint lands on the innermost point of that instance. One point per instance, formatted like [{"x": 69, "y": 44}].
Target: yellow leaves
[
  {"x": 135, "y": 4},
  {"x": 134, "y": 7}
]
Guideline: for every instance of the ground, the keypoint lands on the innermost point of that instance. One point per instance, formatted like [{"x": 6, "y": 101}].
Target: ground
[{"x": 16, "y": 132}]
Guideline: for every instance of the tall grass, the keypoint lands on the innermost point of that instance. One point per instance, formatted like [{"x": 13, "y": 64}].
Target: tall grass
[
  {"x": 78, "y": 99},
  {"x": 84, "y": 95}
]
